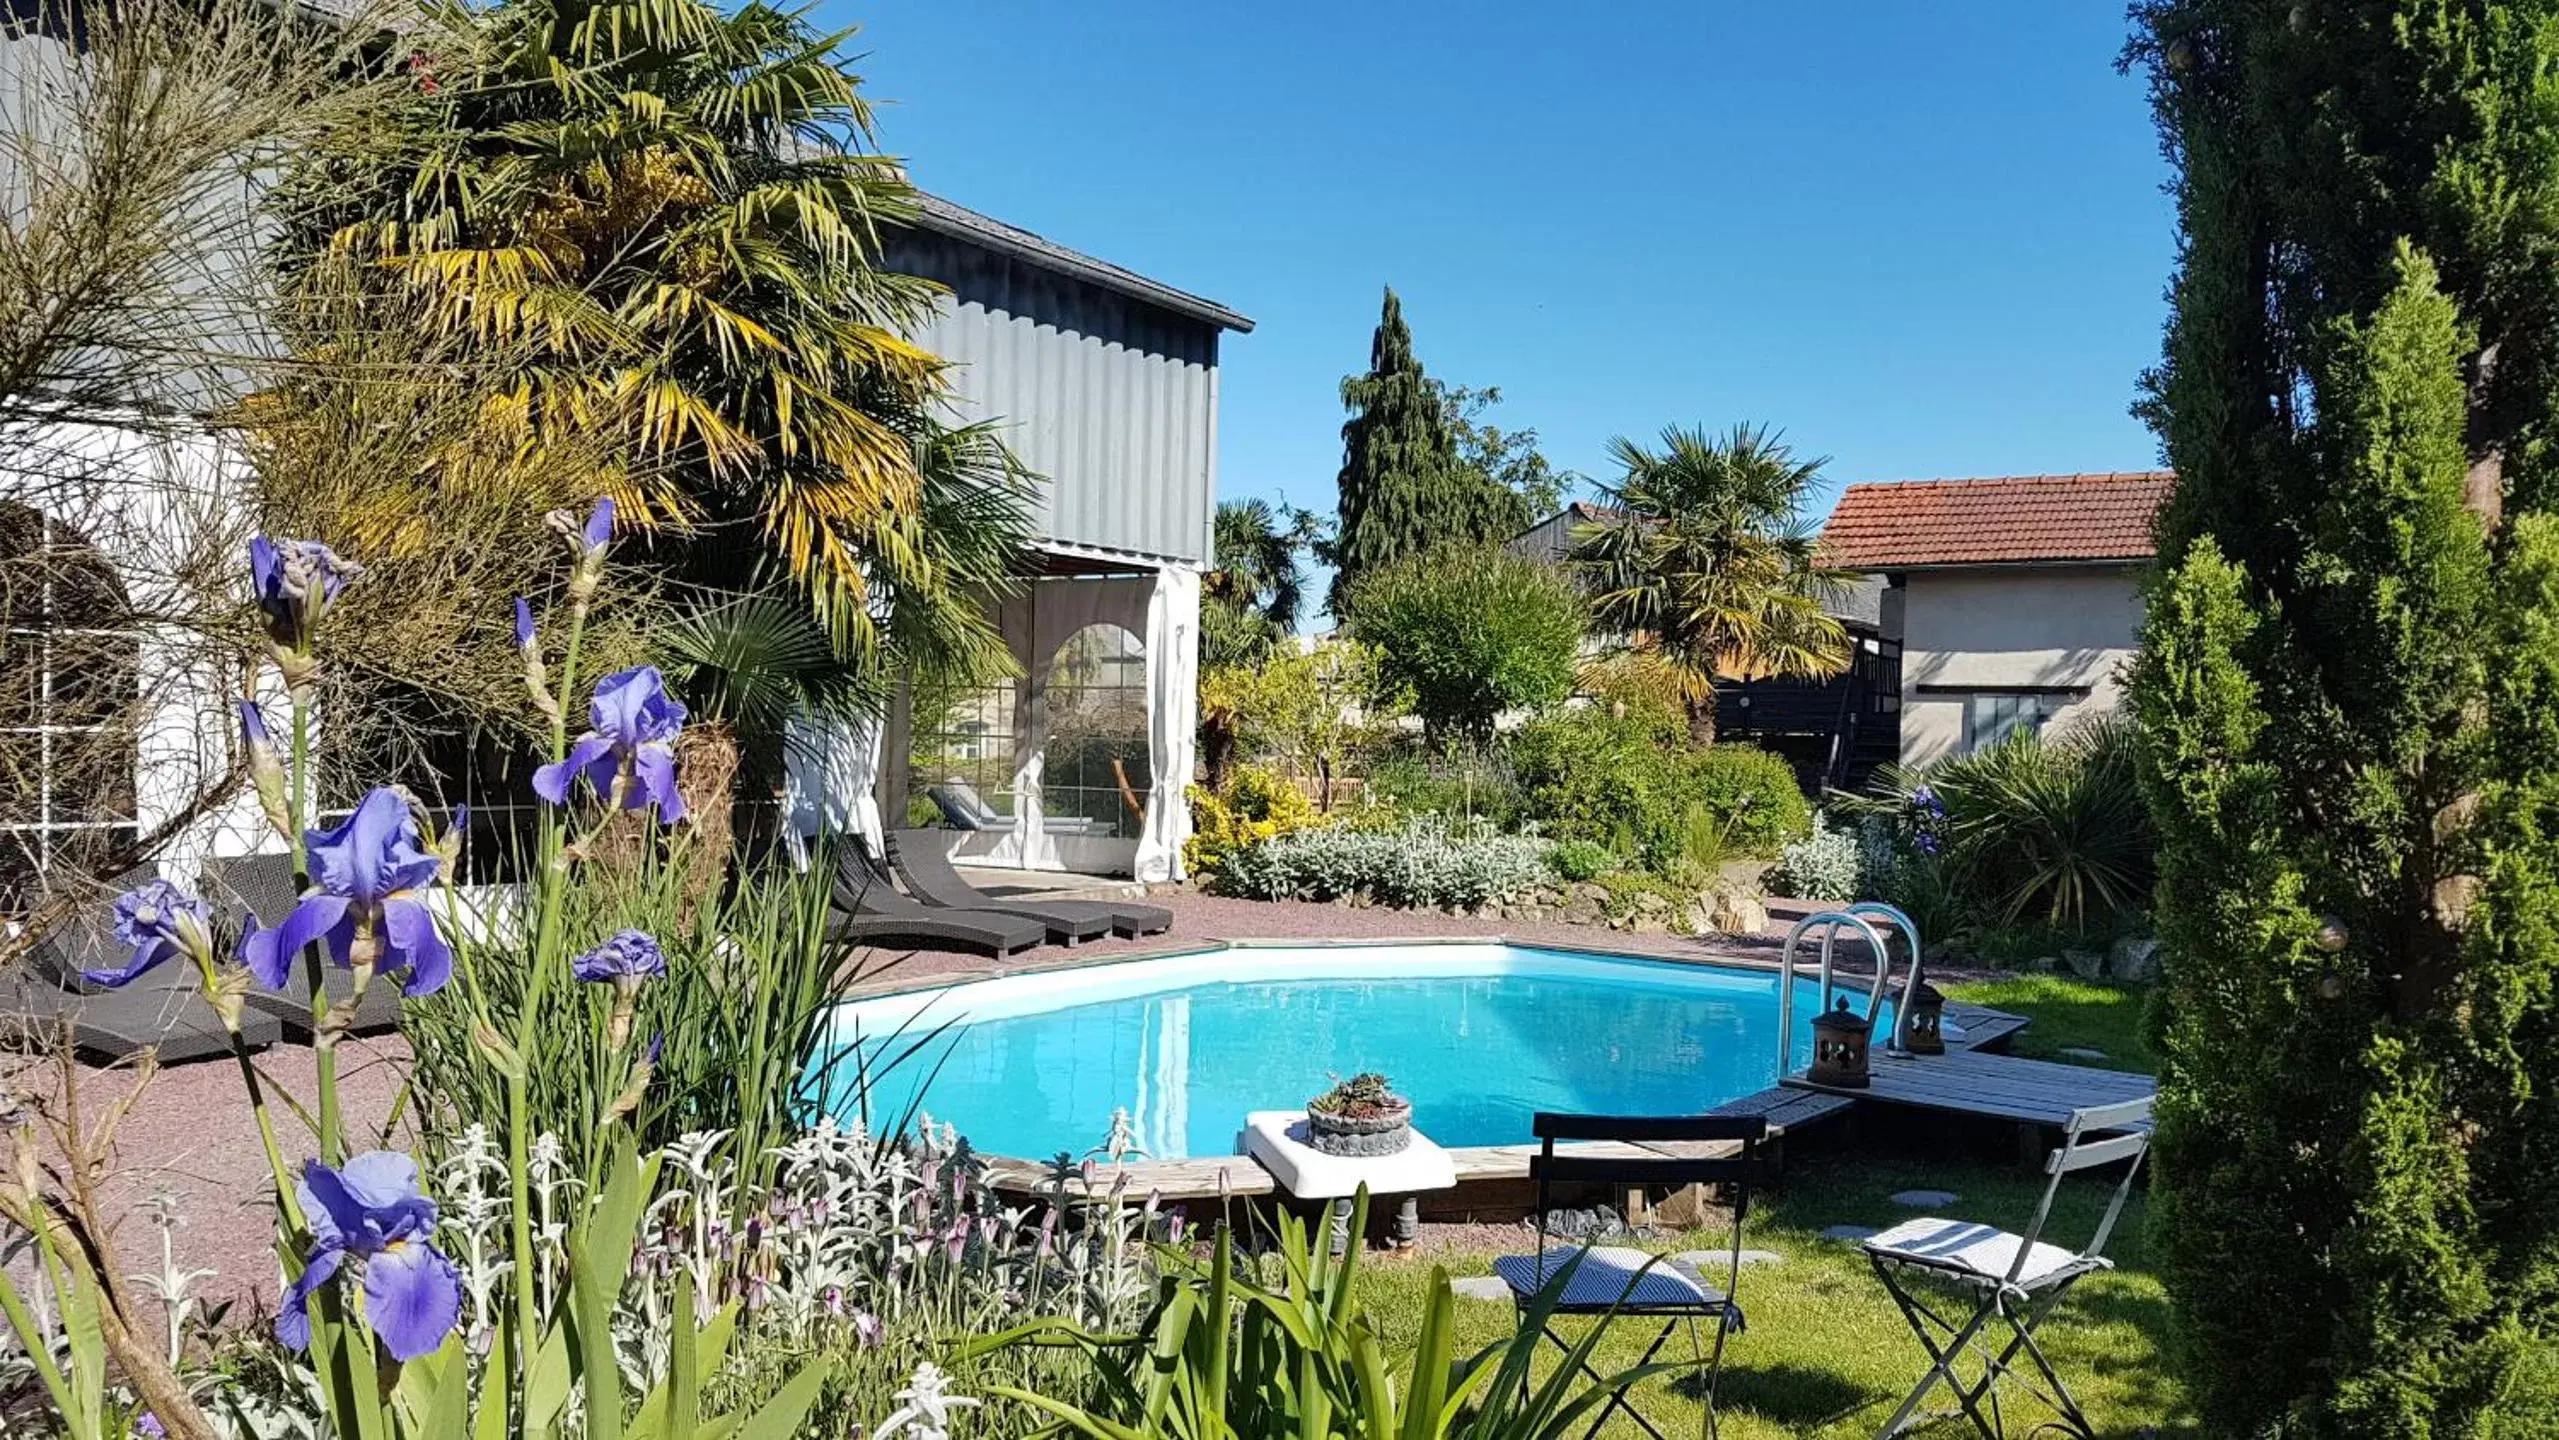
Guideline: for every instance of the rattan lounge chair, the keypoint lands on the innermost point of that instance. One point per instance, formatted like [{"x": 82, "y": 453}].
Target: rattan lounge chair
[
  {"x": 964, "y": 809},
  {"x": 925, "y": 865},
  {"x": 163, "y": 1009},
  {"x": 262, "y": 885},
  {"x": 870, "y": 911}
]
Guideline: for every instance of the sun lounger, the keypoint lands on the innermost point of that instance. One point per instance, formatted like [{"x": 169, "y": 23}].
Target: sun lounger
[
  {"x": 162, "y": 1009},
  {"x": 239, "y": 886},
  {"x": 964, "y": 809},
  {"x": 1068, "y": 924},
  {"x": 871, "y": 911},
  {"x": 923, "y": 862}
]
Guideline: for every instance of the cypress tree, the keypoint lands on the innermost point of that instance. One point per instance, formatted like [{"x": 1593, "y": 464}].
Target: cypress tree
[
  {"x": 1401, "y": 487},
  {"x": 2349, "y": 691}
]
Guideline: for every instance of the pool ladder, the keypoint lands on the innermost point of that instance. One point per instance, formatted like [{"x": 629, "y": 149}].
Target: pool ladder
[{"x": 1829, "y": 923}]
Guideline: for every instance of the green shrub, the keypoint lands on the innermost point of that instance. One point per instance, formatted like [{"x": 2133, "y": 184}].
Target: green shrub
[
  {"x": 1472, "y": 785},
  {"x": 1256, "y": 805},
  {"x": 1285, "y": 1350},
  {"x": 1471, "y": 633},
  {"x": 741, "y": 1047},
  {"x": 2047, "y": 832},
  {"x": 1631, "y": 782},
  {"x": 1429, "y": 863},
  {"x": 1824, "y": 865},
  {"x": 1579, "y": 860}
]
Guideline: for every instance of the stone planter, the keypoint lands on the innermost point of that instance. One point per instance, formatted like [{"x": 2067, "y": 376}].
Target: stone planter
[{"x": 1386, "y": 1132}]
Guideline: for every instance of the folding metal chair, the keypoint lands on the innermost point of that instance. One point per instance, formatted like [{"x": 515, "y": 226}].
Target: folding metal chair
[
  {"x": 1621, "y": 1280},
  {"x": 2016, "y": 1279}
]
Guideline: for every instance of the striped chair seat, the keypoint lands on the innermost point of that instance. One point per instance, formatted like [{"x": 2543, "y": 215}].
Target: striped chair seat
[{"x": 1610, "y": 1276}]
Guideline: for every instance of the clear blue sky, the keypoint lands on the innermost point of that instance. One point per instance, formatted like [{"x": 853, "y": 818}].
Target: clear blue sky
[{"x": 1925, "y": 240}]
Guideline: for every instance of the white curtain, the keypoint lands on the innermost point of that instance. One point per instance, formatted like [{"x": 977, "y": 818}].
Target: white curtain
[
  {"x": 1172, "y": 718},
  {"x": 831, "y": 777}
]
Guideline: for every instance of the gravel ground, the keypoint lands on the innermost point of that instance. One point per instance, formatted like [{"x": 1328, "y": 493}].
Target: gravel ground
[{"x": 192, "y": 1133}]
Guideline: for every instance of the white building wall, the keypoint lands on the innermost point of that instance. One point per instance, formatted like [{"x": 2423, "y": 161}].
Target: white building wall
[
  {"x": 169, "y": 513},
  {"x": 2065, "y": 632}
]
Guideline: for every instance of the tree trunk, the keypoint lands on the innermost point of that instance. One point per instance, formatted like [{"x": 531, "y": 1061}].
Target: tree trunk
[
  {"x": 1217, "y": 756},
  {"x": 1701, "y": 719}
]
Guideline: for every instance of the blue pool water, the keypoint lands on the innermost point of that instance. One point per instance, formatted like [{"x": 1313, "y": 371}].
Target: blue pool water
[{"x": 1479, "y": 1035}]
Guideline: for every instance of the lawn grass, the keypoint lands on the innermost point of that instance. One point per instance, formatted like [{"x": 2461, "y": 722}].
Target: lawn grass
[
  {"x": 1826, "y": 1354},
  {"x": 2069, "y": 1013}
]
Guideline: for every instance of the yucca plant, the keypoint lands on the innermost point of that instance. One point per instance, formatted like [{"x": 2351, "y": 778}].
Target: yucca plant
[
  {"x": 2045, "y": 828},
  {"x": 1225, "y": 1356}
]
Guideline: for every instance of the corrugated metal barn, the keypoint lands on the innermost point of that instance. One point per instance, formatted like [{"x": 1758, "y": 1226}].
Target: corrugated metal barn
[{"x": 1105, "y": 383}]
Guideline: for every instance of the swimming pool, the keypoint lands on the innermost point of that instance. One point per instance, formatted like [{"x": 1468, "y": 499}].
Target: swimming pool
[{"x": 1480, "y": 1036}]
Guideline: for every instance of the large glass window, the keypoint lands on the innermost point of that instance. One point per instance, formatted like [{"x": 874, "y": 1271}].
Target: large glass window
[
  {"x": 1095, "y": 769},
  {"x": 1992, "y": 718},
  {"x": 69, "y": 690},
  {"x": 962, "y": 743}
]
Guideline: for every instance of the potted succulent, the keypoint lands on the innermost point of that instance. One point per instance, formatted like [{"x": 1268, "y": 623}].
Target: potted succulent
[{"x": 1359, "y": 1116}]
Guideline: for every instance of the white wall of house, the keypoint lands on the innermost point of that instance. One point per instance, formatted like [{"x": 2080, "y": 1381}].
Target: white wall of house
[
  {"x": 164, "y": 512},
  {"x": 1980, "y": 644}
]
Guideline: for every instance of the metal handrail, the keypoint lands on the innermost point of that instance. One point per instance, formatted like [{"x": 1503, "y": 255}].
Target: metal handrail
[
  {"x": 1831, "y": 920},
  {"x": 1910, "y": 983}
]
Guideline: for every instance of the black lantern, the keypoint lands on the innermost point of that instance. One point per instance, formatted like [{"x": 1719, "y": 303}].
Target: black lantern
[
  {"x": 1922, "y": 1028},
  {"x": 1839, "y": 1049}
]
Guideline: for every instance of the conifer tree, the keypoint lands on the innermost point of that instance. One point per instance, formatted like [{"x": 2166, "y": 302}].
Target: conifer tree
[
  {"x": 2349, "y": 692},
  {"x": 1402, "y": 489}
]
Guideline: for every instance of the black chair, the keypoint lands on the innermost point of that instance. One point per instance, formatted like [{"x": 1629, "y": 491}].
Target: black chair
[
  {"x": 1649, "y": 1150},
  {"x": 870, "y": 911},
  {"x": 921, "y": 861},
  {"x": 163, "y": 1011}
]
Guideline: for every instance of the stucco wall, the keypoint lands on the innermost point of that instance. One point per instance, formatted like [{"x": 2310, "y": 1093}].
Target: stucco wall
[{"x": 2064, "y": 628}]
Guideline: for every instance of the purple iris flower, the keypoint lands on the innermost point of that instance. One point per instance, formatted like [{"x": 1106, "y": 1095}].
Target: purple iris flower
[
  {"x": 372, "y": 1212},
  {"x": 149, "y": 1424},
  {"x": 599, "y": 525},
  {"x": 368, "y": 875},
  {"x": 294, "y": 581},
  {"x": 636, "y": 723},
  {"x": 253, "y": 728},
  {"x": 631, "y": 955},
  {"x": 160, "y": 922},
  {"x": 523, "y": 624}
]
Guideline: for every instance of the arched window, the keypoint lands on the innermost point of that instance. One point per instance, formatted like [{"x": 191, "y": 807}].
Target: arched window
[
  {"x": 69, "y": 696},
  {"x": 1095, "y": 764}
]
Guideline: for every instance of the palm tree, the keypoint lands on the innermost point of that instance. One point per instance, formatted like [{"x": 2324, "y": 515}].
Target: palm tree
[
  {"x": 1707, "y": 560},
  {"x": 671, "y": 212},
  {"x": 1252, "y": 597}
]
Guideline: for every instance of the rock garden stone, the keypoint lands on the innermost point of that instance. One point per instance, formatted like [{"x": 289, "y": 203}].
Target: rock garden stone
[
  {"x": 1479, "y": 1287},
  {"x": 2080, "y": 1052},
  {"x": 1925, "y": 1199},
  {"x": 2086, "y": 964},
  {"x": 2135, "y": 959},
  {"x": 1849, "y": 1234}
]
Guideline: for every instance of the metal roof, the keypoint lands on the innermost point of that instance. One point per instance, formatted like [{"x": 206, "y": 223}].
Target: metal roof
[{"x": 934, "y": 213}]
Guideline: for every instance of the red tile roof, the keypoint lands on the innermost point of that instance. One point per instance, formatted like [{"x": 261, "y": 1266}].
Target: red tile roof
[{"x": 2019, "y": 520}]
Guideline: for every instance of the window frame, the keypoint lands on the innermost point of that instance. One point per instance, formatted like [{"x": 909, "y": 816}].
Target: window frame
[{"x": 51, "y": 836}]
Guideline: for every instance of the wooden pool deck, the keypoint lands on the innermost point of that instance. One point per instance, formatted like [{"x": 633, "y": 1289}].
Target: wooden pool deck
[
  {"x": 1995, "y": 1080},
  {"x": 1991, "y": 1086}
]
